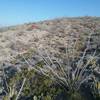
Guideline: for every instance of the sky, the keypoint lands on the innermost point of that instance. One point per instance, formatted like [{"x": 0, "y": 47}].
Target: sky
[{"x": 13, "y": 12}]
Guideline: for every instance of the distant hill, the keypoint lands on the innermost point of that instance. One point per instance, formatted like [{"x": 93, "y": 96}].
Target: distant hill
[{"x": 52, "y": 35}]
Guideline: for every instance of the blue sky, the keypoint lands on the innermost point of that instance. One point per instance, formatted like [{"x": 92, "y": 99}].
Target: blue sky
[{"x": 14, "y": 12}]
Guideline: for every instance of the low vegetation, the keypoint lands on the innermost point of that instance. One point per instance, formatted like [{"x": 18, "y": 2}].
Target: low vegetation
[
  {"x": 72, "y": 72},
  {"x": 50, "y": 80}
]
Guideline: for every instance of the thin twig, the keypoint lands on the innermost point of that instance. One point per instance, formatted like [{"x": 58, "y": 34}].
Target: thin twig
[{"x": 24, "y": 80}]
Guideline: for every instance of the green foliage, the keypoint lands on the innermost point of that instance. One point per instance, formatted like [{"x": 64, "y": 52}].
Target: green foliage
[
  {"x": 75, "y": 96},
  {"x": 96, "y": 90},
  {"x": 36, "y": 85}
]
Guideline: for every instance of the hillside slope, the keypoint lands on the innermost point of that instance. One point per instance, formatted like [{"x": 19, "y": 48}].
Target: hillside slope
[
  {"x": 51, "y": 60},
  {"x": 52, "y": 35}
]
